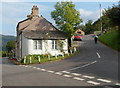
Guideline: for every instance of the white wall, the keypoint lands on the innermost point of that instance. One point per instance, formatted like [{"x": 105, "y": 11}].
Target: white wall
[{"x": 28, "y": 47}]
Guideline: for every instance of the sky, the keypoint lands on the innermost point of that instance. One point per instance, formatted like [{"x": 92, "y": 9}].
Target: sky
[{"x": 14, "y": 11}]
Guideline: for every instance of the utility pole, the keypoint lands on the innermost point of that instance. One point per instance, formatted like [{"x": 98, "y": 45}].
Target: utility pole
[{"x": 101, "y": 20}]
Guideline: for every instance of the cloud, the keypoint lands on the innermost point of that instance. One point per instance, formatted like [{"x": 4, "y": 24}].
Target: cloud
[{"x": 89, "y": 15}]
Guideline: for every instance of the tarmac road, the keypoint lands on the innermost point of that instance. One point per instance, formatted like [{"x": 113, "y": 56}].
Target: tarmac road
[{"x": 94, "y": 65}]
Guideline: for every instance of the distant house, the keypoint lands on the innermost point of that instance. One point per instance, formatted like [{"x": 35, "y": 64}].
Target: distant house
[
  {"x": 78, "y": 31},
  {"x": 36, "y": 35}
]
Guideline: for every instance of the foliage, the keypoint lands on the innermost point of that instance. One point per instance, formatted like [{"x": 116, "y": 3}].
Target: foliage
[
  {"x": 4, "y": 53},
  {"x": 114, "y": 14},
  {"x": 61, "y": 45},
  {"x": 110, "y": 19},
  {"x": 88, "y": 27},
  {"x": 66, "y": 17},
  {"x": 10, "y": 45},
  {"x": 111, "y": 39},
  {"x": 5, "y": 39}
]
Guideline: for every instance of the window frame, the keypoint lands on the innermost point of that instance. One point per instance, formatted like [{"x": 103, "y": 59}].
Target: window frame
[
  {"x": 54, "y": 45},
  {"x": 38, "y": 44}
]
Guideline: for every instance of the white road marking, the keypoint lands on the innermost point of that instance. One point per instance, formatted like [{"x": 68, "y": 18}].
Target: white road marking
[
  {"x": 66, "y": 72},
  {"x": 83, "y": 66},
  {"x": 34, "y": 67},
  {"x": 38, "y": 68},
  {"x": 104, "y": 80},
  {"x": 26, "y": 66},
  {"x": 43, "y": 70},
  {"x": 50, "y": 71},
  {"x": 78, "y": 78},
  {"x": 90, "y": 77},
  {"x": 98, "y": 54},
  {"x": 67, "y": 76},
  {"x": 118, "y": 84},
  {"x": 94, "y": 83},
  {"x": 58, "y": 73},
  {"x": 76, "y": 74}
]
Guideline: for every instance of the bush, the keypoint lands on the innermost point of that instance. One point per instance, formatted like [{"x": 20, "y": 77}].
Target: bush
[{"x": 4, "y": 53}]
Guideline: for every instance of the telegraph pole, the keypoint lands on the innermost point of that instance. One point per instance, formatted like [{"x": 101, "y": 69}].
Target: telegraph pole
[{"x": 101, "y": 20}]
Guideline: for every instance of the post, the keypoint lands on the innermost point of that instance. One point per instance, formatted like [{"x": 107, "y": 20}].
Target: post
[
  {"x": 30, "y": 60},
  {"x": 74, "y": 49},
  {"x": 56, "y": 56},
  {"x": 39, "y": 59},
  {"x": 25, "y": 60},
  {"x": 63, "y": 55},
  {"x": 71, "y": 51},
  {"x": 48, "y": 57},
  {"x": 101, "y": 20}
]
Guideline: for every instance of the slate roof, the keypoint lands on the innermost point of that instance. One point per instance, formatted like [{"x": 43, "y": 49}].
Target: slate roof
[
  {"x": 33, "y": 34},
  {"x": 40, "y": 28}
]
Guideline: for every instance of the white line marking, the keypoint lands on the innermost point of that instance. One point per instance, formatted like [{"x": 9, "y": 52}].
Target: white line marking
[
  {"x": 38, "y": 68},
  {"x": 34, "y": 67},
  {"x": 43, "y": 70},
  {"x": 76, "y": 74},
  {"x": 58, "y": 73},
  {"x": 26, "y": 66},
  {"x": 90, "y": 77},
  {"x": 82, "y": 66},
  {"x": 67, "y": 76},
  {"x": 118, "y": 84},
  {"x": 78, "y": 78},
  {"x": 50, "y": 71},
  {"x": 98, "y": 54},
  {"x": 66, "y": 72},
  {"x": 94, "y": 83},
  {"x": 104, "y": 80}
]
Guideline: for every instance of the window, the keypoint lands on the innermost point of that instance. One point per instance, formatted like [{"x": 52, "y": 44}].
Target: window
[
  {"x": 38, "y": 44},
  {"x": 54, "y": 44}
]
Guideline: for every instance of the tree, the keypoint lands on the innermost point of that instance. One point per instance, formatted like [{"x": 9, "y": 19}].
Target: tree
[
  {"x": 89, "y": 27},
  {"x": 66, "y": 17},
  {"x": 10, "y": 47},
  {"x": 114, "y": 15}
]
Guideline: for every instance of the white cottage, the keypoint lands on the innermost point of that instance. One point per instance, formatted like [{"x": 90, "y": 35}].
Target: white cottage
[{"x": 36, "y": 35}]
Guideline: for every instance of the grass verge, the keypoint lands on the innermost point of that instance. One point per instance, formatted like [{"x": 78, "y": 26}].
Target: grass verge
[
  {"x": 43, "y": 59},
  {"x": 111, "y": 39}
]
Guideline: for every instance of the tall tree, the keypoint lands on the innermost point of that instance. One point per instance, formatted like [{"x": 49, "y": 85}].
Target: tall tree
[
  {"x": 89, "y": 27},
  {"x": 114, "y": 15},
  {"x": 66, "y": 17}
]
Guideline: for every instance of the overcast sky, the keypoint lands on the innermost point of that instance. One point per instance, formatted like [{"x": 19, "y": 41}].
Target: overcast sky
[{"x": 14, "y": 11}]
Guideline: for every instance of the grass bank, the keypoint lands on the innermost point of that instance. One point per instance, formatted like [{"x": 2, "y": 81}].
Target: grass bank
[{"x": 111, "y": 39}]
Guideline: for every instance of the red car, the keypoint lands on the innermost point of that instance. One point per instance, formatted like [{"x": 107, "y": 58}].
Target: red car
[{"x": 78, "y": 37}]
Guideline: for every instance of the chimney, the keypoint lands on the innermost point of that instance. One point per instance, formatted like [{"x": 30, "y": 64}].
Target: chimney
[{"x": 35, "y": 11}]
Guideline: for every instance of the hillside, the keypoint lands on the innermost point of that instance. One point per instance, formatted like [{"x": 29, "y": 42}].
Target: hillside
[
  {"x": 111, "y": 39},
  {"x": 5, "y": 39}
]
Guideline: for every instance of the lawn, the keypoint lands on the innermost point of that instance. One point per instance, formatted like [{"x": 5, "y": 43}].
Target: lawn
[{"x": 111, "y": 39}]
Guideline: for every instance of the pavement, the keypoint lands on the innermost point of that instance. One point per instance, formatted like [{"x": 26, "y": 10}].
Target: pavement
[{"x": 94, "y": 65}]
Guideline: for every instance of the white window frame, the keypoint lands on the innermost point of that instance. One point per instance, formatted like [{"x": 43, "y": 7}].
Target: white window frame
[
  {"x": 54, "y": 44},
  {"x": 38, "y": 44}
]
